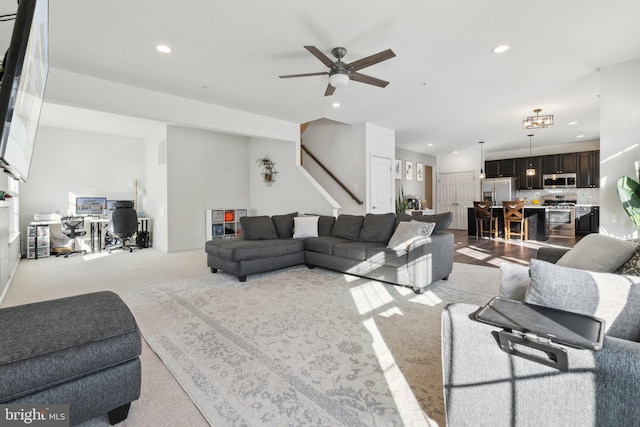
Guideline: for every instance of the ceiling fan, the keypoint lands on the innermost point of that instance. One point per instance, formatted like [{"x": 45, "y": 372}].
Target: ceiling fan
[{"x": 340, "y": 73}]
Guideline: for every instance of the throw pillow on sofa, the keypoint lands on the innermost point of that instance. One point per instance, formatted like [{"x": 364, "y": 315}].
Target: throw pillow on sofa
[
  {"x": 378, "y": 228},
  {"x": 611, "y": 297},
  {"x": 284, "y": 224},
  {"x": 632, "y": 265},
  {"x": 348, "y": 226},
  {"x": 258, "y": 228},
  {"x": 597, "y": 252},
  {"x": 305, "y": 226},
  {"x": 408, "y": 232},
  {"x": 442, "y": 220}
]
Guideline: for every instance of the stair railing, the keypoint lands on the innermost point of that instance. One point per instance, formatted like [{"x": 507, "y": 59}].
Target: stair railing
[{"x": 324, "y": 168}]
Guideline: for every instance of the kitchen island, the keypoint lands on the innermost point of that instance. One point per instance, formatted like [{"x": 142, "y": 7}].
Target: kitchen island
[{"x": 536, "y": 216}]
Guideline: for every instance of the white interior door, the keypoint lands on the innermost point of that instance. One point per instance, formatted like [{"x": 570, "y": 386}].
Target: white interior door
[
  {"x": 380, "y": 185},
  {"x": 455, "y": 195}
]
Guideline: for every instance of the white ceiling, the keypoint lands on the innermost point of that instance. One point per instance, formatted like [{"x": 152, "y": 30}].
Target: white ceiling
[{"x": 447, "y": 87}]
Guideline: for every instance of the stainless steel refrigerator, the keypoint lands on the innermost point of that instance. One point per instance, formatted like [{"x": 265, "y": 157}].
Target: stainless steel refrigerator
[{"x": 498, "y": 190}]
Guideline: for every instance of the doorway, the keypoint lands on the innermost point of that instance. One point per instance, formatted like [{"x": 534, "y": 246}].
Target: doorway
[{"x": 455, "y": 195}]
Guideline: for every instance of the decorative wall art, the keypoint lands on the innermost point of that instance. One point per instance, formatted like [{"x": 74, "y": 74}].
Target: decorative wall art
[
  {"x": 398, "y": 169},
  {"x": 408, "y": 170},
  {"x": 419, "y": 171}
]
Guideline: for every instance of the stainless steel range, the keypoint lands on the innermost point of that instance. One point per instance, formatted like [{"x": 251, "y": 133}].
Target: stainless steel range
[{"x": 561, "y": 217}]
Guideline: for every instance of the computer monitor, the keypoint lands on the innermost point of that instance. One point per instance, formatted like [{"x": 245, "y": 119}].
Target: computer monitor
[
  {"x": 90, "y": 205},
  {"x": 111, "y": 204}
]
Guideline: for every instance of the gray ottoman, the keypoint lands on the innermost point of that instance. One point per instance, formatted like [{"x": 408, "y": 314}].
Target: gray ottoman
[{"x": 82, "y": 351}]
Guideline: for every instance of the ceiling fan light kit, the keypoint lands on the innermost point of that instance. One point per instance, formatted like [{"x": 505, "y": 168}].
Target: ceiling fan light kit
[
  {"x": 340, "y": 73},
  {"x": 537, "y": 121}
]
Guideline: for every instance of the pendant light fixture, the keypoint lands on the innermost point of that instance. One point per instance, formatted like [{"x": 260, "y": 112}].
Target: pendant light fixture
[
  {"x": 537, "y": 121},
  {"x": 482, "y": 174},
  {"x": 531, "y": 171}
]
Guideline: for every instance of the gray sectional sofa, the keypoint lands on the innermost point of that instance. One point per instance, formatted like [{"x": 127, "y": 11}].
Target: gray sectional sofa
[{"x": 351, "y": 244}]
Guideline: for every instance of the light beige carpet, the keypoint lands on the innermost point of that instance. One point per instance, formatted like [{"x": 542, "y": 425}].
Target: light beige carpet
[
  {"x": 163, "y": 401},
  {"x": 304, "y": 347}
]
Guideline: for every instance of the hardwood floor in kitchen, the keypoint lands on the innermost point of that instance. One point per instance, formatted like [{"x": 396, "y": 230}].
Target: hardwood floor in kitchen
[{"x": 492, "y": 252}]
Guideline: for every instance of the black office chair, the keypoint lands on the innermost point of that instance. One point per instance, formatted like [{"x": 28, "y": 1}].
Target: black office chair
[
  {"x": 123, "y": 225},
  {"x": 70, "y": 228}
]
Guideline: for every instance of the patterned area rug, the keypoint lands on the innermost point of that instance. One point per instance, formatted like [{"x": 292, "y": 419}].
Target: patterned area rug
[{"x": 304, "y": 347}]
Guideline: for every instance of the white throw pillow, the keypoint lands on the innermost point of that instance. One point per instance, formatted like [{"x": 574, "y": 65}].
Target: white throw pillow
[
  {"x": 305, "y": 226},
  {"x": 514, "y": 281},
  {"x": 408, "y": 232}
]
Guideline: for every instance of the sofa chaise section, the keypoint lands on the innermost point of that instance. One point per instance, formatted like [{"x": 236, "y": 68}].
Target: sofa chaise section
[{"x": 244, "y": 257}]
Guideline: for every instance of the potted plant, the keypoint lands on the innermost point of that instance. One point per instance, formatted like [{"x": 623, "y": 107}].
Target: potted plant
[{"x": 268, "y": 169}]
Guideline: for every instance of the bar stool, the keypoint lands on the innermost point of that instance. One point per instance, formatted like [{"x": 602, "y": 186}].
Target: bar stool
[
  {"x": 514, "y": 214},
  {"x": 484, "y": 215}
]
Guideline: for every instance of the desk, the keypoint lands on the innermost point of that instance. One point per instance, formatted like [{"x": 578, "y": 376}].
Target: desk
[{"x": 95, "y": 229}]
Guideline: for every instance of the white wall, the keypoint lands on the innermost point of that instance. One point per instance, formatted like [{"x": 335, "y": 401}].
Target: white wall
[
  {"x": 414, "y": 187},
  {"x": 154, "y": 197},
  {"x": 74, "y": 89},
  {"x": 205, "y": 170},
  {"x": 342, "y": 149},
  {"x": 619, "y": 142},
  {"x": 291, "y": 191},
  {"x": 68, "y": 163}
]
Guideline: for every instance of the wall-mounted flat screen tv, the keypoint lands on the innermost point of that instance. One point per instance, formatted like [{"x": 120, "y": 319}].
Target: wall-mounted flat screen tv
[{"x": 26, "y": 67}]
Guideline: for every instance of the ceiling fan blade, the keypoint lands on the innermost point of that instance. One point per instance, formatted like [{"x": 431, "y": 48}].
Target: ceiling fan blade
[
  {"x": 371, "y": 60},
  {"x": 363, "y": 78},
  {"x": 324, "y": 73},
  {"x": 321, "y": 56},
  {"x": 330, "y": 90}
]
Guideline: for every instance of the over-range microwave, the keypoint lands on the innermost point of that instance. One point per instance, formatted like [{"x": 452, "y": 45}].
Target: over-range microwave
[{"x": 559, "y": 180}]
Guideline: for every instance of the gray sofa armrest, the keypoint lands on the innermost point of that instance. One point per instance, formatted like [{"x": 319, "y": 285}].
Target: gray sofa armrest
[
  {"x": 485, "y": 386},
  {"x": 431, "y": 258},
  {"x": 551, "y": 254}
]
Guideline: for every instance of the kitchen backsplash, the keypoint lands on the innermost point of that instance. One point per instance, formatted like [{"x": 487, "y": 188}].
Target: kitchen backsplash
[{"x": 585, "y": 196}]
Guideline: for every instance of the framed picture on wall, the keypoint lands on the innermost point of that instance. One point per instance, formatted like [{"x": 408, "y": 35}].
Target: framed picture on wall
[
  {"x": 419, "y": 171},
  {"x": 408, "y": 170},
  {"x": 398, "y": 169}
]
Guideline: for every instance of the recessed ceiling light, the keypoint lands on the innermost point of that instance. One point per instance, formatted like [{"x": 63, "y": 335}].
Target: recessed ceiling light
[
  {"x": 501, "y": 49},
  {"x": 572, "y": 123},
  {"x": 580, "y": 135},
  {"x": 429, "y": 145},
  {"x": 336, "y": 105},
  {"x": 163, "y": 48},
  {"x": 455, "y": 151}
]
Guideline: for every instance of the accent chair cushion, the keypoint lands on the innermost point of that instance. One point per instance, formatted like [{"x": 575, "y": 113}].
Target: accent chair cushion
[
  {"x": 284, "y": 224},
  {"x": 407, "y": 233},
  {"x": 258, "y": 228},
  {"x": 612, "y": 297},
  {"x": 348, "y": 226},
  {"x": 305, "y": 226},
  {"x": 597, "y": 252},
  {"x": 378, "y": 227},
  {"x": 514, "y": 281}
]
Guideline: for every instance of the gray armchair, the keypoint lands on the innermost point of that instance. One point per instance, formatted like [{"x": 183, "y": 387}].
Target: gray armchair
[{"x": 484, "y": 386}]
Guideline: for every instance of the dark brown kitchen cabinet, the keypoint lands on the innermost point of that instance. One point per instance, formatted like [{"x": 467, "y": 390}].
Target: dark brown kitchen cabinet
[
  {"x": 499, "y": 168},
  {"x": 587, "y": 220},
  {"x": 588, "y": 175},
  {"x": 529, "y": 182},
  {"x": 560, "y": 163}
]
